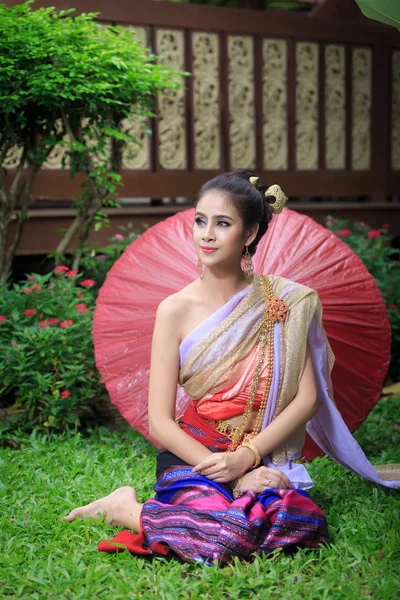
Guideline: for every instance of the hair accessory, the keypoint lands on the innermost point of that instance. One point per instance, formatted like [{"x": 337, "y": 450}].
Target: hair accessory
[
  {"x": 253, "y": 180},
  {"x": 281, "y": 198},
  {"x": 254, "y": 450},
  {"x": 248, "y": 267}
]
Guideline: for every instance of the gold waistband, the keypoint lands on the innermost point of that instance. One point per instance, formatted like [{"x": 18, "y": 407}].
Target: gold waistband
[{"x": 234, "y": 433}]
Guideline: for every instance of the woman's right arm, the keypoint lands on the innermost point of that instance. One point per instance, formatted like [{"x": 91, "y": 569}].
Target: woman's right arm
[{"x": 164, "y": 370}]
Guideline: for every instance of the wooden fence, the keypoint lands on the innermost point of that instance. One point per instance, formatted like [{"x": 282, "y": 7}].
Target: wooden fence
[{"x": 309, "y": 101}]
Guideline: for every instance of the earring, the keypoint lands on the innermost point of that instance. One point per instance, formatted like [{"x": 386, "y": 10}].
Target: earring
[
  {"x": 200, "y": 266},
  {"x": 248, "y": 267}
]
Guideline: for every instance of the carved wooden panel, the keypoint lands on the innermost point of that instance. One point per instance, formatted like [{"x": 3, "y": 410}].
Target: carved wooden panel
[
  {"x": 395, "y": 154},
  {"x": 171, "y": 104},
  {"x": 241, "y": 102},
  {"x": 275, "y": 128},
  {"x": 335, "y": 107},
  {"x": 206, "y": 91},
  {"x": 307, "y": 68},
  {"x": 137, "y": 156},
  {"x": 361, "y": 109}
]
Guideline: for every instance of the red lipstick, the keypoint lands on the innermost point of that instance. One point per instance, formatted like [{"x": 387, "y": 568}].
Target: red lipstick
[{"x": 208, "y": 250}]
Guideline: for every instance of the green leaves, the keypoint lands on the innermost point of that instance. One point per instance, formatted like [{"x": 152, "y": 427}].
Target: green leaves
[
  {"x": 46, "y": 349},
  {"x": 67, "y": 80}
]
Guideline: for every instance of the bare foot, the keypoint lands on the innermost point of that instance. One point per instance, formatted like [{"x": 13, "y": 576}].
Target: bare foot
[{"x": 105, "y": 506}]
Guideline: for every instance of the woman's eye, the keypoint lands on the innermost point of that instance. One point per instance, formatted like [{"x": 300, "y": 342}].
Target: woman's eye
[
  {"x": 223, "y": 223},
  {"x": 198, "y": 221}
]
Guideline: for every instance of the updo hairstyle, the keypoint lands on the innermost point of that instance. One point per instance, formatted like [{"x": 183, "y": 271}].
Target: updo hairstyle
[{"x": 249, "y": 200}]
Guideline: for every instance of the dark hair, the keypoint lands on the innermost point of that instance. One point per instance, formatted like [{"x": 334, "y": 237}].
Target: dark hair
[{"x": 249, "y": 200}]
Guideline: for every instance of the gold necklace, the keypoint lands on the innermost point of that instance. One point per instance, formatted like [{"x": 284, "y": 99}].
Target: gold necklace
[{"x": 275, "y": 310}]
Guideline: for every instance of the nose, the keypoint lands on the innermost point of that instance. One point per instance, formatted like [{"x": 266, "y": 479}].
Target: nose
[{"x": 208, "y": 233}]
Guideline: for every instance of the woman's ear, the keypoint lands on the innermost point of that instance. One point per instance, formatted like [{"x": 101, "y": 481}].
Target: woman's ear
[{"x": 251, "y": 234}]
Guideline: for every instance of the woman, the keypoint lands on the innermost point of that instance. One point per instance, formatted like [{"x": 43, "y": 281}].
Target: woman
[{"x": 251, "y": 353}]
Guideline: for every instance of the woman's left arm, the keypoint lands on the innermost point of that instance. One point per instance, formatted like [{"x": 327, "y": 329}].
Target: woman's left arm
[{"x": 303, "y": 406}]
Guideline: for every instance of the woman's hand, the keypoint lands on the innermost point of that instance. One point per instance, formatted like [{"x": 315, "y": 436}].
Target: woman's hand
[
  {"x": 264, "y": 477},
  {"x": 226, "y": 466}
]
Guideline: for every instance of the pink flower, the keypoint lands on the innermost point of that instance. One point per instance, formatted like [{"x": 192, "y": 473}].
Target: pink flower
[
  {"x": 81, "y": 308},
  {"x": 72, "y": 273},
  {"x": 61, "y": 269},
  {"x": 66, "y": 324},
  {"x": 43, "y": 323},
  {"x": 33, "y": 287},
  {"x": 329, "y": 223},
  {"x": 374, "y": 233},
  {"x": 81, "y": 295},
  {"x": 344, "y": 232},
  {"x": 31, "y": 278},
  {"x": 88, "y": 283},
  {"x": 119, "y": 236},
  {"x": 101, "y": 256},
  {"x": 52, "y": 321},
  {"x": 363, "y": 224},
  {"x": 29, "y": 312},
  {"x": 65, "y": 394},
  {"x": 15, "y": 344},
  {"x": 392, "y": 305},
  {"x": 386, "y": 226},
  {"x": 131, "y": 235}
]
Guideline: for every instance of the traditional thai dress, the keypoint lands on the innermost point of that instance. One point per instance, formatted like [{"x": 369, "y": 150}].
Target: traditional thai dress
[{"x": 254, "y": 346}]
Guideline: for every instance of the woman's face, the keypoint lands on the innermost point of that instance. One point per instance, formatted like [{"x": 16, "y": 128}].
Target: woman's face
[{"x": 218, "y": 230}]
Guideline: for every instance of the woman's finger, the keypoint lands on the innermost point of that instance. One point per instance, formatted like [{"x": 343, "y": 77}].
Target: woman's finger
[
  {"x": 214, "y": 470},
  {"x": 207, "y": 462}
]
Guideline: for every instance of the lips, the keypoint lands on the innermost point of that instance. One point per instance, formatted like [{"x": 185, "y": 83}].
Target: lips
[{"x": 208, "y": 250}]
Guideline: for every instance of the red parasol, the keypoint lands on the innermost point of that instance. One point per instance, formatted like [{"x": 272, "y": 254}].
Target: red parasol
[{"x": 162, "y": 261}]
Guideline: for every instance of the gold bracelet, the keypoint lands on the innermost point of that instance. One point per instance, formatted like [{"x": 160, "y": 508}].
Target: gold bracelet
[
  {"x": 236, "y": 487},
  {"x": 254, "y": 450}
]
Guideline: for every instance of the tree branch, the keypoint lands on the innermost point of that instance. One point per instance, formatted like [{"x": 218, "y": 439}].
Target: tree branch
[
  {"x": 21, "y": 218},
  {"x": 16, "y": 186},
  {"x": 9, "y": 128}
]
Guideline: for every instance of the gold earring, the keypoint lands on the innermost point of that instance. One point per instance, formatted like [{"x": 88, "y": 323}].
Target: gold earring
[
  {"x": 200, "y": 266},
  {"x": 248, "y": 267}
]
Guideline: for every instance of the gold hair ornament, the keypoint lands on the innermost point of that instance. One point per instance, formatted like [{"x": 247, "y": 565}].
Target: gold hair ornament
[{"x": 273, "y": 190}]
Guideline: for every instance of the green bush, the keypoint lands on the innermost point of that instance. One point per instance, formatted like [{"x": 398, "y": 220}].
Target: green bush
[
  {"x": 373, "y": 246},
  {"x": 47, "y": 361},
  {"x": 96, "y": 262}
]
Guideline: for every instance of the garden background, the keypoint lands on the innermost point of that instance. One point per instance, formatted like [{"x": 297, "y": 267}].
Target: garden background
[{"x": 89, "y": 162}]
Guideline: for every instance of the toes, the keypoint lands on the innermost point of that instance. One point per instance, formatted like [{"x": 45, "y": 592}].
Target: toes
[{"x": 73, "y": 514}]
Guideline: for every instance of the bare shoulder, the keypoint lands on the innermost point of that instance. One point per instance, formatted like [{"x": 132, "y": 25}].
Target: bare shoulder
[
  {"x": 175, "y": 304},
  {"x": 174, "y": 309}
]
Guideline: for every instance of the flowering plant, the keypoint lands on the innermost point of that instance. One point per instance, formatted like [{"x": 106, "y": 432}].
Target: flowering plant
[
  {"x": 374, "y": 248},
  {"x": 96, "y": 262},
  {"x": 47, "y": 365}
]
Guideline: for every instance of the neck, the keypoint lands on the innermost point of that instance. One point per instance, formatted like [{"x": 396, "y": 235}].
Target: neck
[{"x": 223, "y": 286}]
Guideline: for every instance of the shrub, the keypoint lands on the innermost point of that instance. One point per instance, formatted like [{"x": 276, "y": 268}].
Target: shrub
[
  {"x": 96, "y": 262},
  {"x": 373, "y": 246},
  {"x": 47, "y": 364}
]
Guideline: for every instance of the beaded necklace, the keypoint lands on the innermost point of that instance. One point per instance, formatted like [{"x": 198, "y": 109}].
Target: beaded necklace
[{"x": 275, "y": 310}]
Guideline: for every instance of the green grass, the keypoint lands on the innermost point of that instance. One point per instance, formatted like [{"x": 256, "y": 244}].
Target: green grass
[{"x": 44, "y": 557}]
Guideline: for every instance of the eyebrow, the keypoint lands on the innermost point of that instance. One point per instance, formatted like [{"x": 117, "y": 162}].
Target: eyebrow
[{"x": 216, "y": 216}]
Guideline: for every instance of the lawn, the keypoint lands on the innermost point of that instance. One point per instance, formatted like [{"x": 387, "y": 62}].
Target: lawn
[{"x": 45, "y": 557}]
